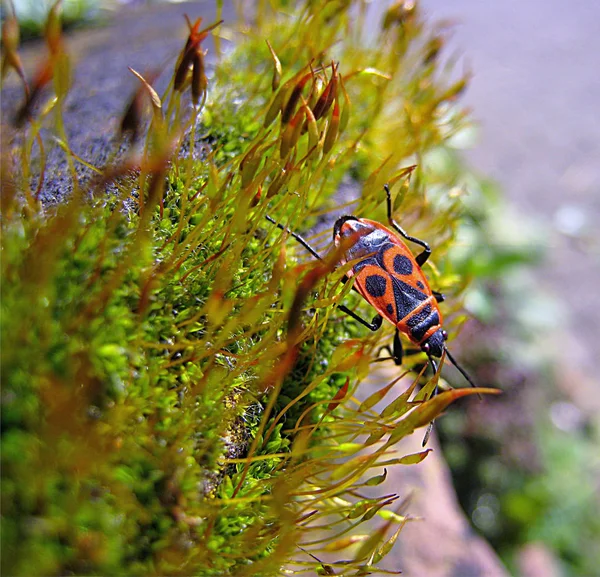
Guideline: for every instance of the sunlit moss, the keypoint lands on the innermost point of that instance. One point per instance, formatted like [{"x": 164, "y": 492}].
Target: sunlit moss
[{"x": 174, "y": 378}]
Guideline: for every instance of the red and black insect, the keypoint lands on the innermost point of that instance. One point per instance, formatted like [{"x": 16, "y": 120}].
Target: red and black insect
[{"x": 390, "y": 278}]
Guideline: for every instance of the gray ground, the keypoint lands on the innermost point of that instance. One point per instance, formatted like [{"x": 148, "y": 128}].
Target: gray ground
[{"x": 145, "y": 39}]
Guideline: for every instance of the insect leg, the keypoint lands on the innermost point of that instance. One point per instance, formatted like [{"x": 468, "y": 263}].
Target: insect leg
[
  {"x": 377, "y": 319},
  {"x": 397, "y": 350},
  {"x": 434, "y": 367},
  {"x": 427, "y": 434},
  {"x": 305, "y": 244},
  {"x": 439, "y": 297},
  {"x": 373, "y": 325},
  {"x": 420, "y": 258}
]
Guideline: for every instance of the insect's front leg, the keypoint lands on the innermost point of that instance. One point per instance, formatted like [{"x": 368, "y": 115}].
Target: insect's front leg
[
  {"x": 434, "y": 367},
  {"x": 435, "y": 392},
  {"x": 420, "y": 258}
]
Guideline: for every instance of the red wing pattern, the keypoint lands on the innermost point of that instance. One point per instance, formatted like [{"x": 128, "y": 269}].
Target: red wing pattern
[
  {"x": 376, "y": 286},
  {"x": 393, "y": 283}
]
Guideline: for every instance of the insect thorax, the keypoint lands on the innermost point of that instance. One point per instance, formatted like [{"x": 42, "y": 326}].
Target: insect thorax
[{"x": 372, "y": 242}]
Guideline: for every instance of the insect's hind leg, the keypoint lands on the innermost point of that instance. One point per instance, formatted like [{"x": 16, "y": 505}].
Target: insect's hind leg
[
  {"x": 301, "y": 240},
  {"x": 423, "y": 256},
  {"x": 375, "y": 324},
  {"x": 396, "y": 351}
]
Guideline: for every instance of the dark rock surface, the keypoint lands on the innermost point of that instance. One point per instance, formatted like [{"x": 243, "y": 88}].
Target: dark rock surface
[{"x": 144, "y": 39}]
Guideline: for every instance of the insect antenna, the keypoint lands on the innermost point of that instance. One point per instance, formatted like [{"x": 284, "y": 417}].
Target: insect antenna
[
  {"x": 307, "y": 246},
  {"x": 435, "y": 392},
  {"x": 433, "y": 364},
  {"x": 461, "y": 370},
  {"x": 435, "y": 370}
]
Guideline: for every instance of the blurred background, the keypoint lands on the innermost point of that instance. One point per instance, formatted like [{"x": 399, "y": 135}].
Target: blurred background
[
  {"x": 535, "y": 97},
  {"x": 526, "y": 468}
]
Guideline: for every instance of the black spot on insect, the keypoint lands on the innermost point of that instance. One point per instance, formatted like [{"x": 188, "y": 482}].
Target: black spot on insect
[
  {"x": 376, "y": 285},
  {"x": 402, "y": 265},
  {"x": 390, "y": 309},
  {"x": 420, "y": 284}
]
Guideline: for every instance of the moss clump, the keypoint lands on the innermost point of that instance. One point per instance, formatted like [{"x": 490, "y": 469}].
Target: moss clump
[{"x": 177, "y": 388}]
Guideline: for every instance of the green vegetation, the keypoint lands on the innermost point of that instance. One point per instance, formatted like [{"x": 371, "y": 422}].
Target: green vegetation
[{"x": 177, "y": 384}]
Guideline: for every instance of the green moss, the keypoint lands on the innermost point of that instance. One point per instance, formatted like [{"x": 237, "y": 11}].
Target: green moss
[{"x": 164, "y": 408}]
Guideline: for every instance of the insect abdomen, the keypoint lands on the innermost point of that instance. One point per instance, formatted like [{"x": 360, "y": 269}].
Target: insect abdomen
[{"x": 422, "y": 322}]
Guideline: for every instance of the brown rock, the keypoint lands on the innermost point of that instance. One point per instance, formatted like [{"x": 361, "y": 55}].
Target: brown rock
[
  {"x": 536, "y": 560},
  {"x": 442, "y": 543}
]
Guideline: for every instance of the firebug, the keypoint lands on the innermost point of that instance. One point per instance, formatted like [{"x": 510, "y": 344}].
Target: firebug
[{"x": 390, "y": 278}]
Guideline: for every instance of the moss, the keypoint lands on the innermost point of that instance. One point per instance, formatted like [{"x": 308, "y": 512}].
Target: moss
[{"x": 178, "y": 415}]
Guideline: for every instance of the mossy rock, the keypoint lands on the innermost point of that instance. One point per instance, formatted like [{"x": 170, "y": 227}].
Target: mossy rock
[{"x": 177, "y": 384}]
